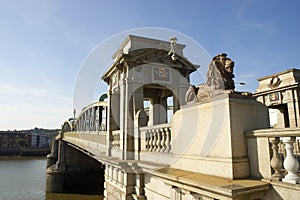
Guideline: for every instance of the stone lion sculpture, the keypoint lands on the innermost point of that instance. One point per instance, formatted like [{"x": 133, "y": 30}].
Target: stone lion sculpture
[{"x": 219, "y": 79}]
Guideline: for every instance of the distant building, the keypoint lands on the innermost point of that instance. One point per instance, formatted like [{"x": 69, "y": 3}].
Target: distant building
[
  {"x": 33, "y": 138},
  {"x": 40, "y": 140},
  {"x": 14, "y": 139},
  {"x": 280, "y": 92}
]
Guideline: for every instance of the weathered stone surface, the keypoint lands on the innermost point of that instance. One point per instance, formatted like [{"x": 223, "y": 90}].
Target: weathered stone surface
[{"x": 212, "y": 134}]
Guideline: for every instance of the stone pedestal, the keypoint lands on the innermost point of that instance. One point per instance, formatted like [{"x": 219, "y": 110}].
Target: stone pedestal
[{"x": 209, "y": 137}]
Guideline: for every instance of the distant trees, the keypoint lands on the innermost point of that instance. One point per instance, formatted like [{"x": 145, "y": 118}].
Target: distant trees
[{"x": 22, "y": 143}]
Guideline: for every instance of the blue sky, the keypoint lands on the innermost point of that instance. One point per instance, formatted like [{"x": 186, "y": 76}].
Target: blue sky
[{"x": 43, "y": 44}]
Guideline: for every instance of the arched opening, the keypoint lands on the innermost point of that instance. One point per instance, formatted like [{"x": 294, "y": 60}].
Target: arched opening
[{"x": 158, "y": 103}]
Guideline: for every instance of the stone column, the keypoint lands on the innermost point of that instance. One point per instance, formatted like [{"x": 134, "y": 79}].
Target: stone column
[
  {"x": 123, "y": 118},
  {"x": 297, "y": 107},
  {"x": 291, "y": 113},
  {"x": 138, "y": 104},
  {"x": 129, "y": 113},
  {"x": 183, "y": 87},
  {"x": 176, "y": 104},
  {"x": 113, "y": 117},
  {"x": 158, "y": 110}
]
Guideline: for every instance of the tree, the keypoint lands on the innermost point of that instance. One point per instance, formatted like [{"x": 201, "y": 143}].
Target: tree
[{"x": 22, "y": 142}]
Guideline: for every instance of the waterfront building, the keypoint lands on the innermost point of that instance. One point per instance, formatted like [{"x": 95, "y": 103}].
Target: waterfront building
[{"x": 26, "y": 142}]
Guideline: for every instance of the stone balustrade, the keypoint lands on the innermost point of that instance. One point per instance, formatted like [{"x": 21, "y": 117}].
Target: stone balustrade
[
  {"x": 157, "y": 138},
  {"x": 284, "y": 153}
]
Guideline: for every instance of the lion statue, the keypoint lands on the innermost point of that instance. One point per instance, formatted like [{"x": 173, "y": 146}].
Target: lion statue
[{"x": 219, "y": 79}]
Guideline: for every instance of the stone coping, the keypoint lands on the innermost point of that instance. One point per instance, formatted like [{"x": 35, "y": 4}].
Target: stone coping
[
  {"x": 223, "y": 186},
  {"x": 274, "y": 132},
  {"x": 284, "y": 184}
]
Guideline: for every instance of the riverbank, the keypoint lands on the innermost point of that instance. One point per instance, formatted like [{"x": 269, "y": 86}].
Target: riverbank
[{"x": 24, "y": 152}]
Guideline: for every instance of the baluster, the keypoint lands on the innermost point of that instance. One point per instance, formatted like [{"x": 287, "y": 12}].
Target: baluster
[
  {"x": 150, "y": 140},
  {"x": 147, "y": 138},
  {"x": 163, "y": 139},
  {"x": 158, "y": 143},
  {"x": 290, "y": 163},
  {"x": 276, "y": 162},
  {"x": 154, "y": 140},
  {"x": 168, "y": 139}
]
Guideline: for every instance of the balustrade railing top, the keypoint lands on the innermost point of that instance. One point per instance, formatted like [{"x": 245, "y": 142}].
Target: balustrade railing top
[{"x": 274, "y": 132}]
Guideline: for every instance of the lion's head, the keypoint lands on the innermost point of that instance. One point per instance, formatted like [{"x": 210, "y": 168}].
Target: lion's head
[{"x": 222, "y": 78}]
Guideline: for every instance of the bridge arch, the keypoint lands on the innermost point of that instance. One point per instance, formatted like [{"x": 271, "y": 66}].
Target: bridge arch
[
  {"x": 67, "y": 126},
  {"x": 92, "y": 118}
]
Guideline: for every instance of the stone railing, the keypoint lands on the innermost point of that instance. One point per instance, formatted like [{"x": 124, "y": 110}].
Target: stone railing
[
  {"x": 157, "y": 138},
  {"x": 283, "y": 147},
  {"x": 116, "y": 139}
]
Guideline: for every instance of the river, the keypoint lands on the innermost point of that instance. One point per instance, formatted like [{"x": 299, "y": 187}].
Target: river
[{"x": 23, "y": 178}]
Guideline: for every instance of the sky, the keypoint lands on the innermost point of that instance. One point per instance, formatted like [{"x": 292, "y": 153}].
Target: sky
[{"x": 45, "y": 43}]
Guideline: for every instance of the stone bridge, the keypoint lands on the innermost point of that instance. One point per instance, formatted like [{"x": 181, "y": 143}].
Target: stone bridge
[{"x": 132, "y": 146}]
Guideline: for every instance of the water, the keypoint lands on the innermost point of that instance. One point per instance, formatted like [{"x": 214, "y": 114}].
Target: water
[{"x": 24, "y": 178}]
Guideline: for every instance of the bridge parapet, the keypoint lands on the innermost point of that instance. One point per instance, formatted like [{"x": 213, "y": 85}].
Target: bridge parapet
[
  {"x": 91, "y": 141},
  {"x": 281, "y": 161}
]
